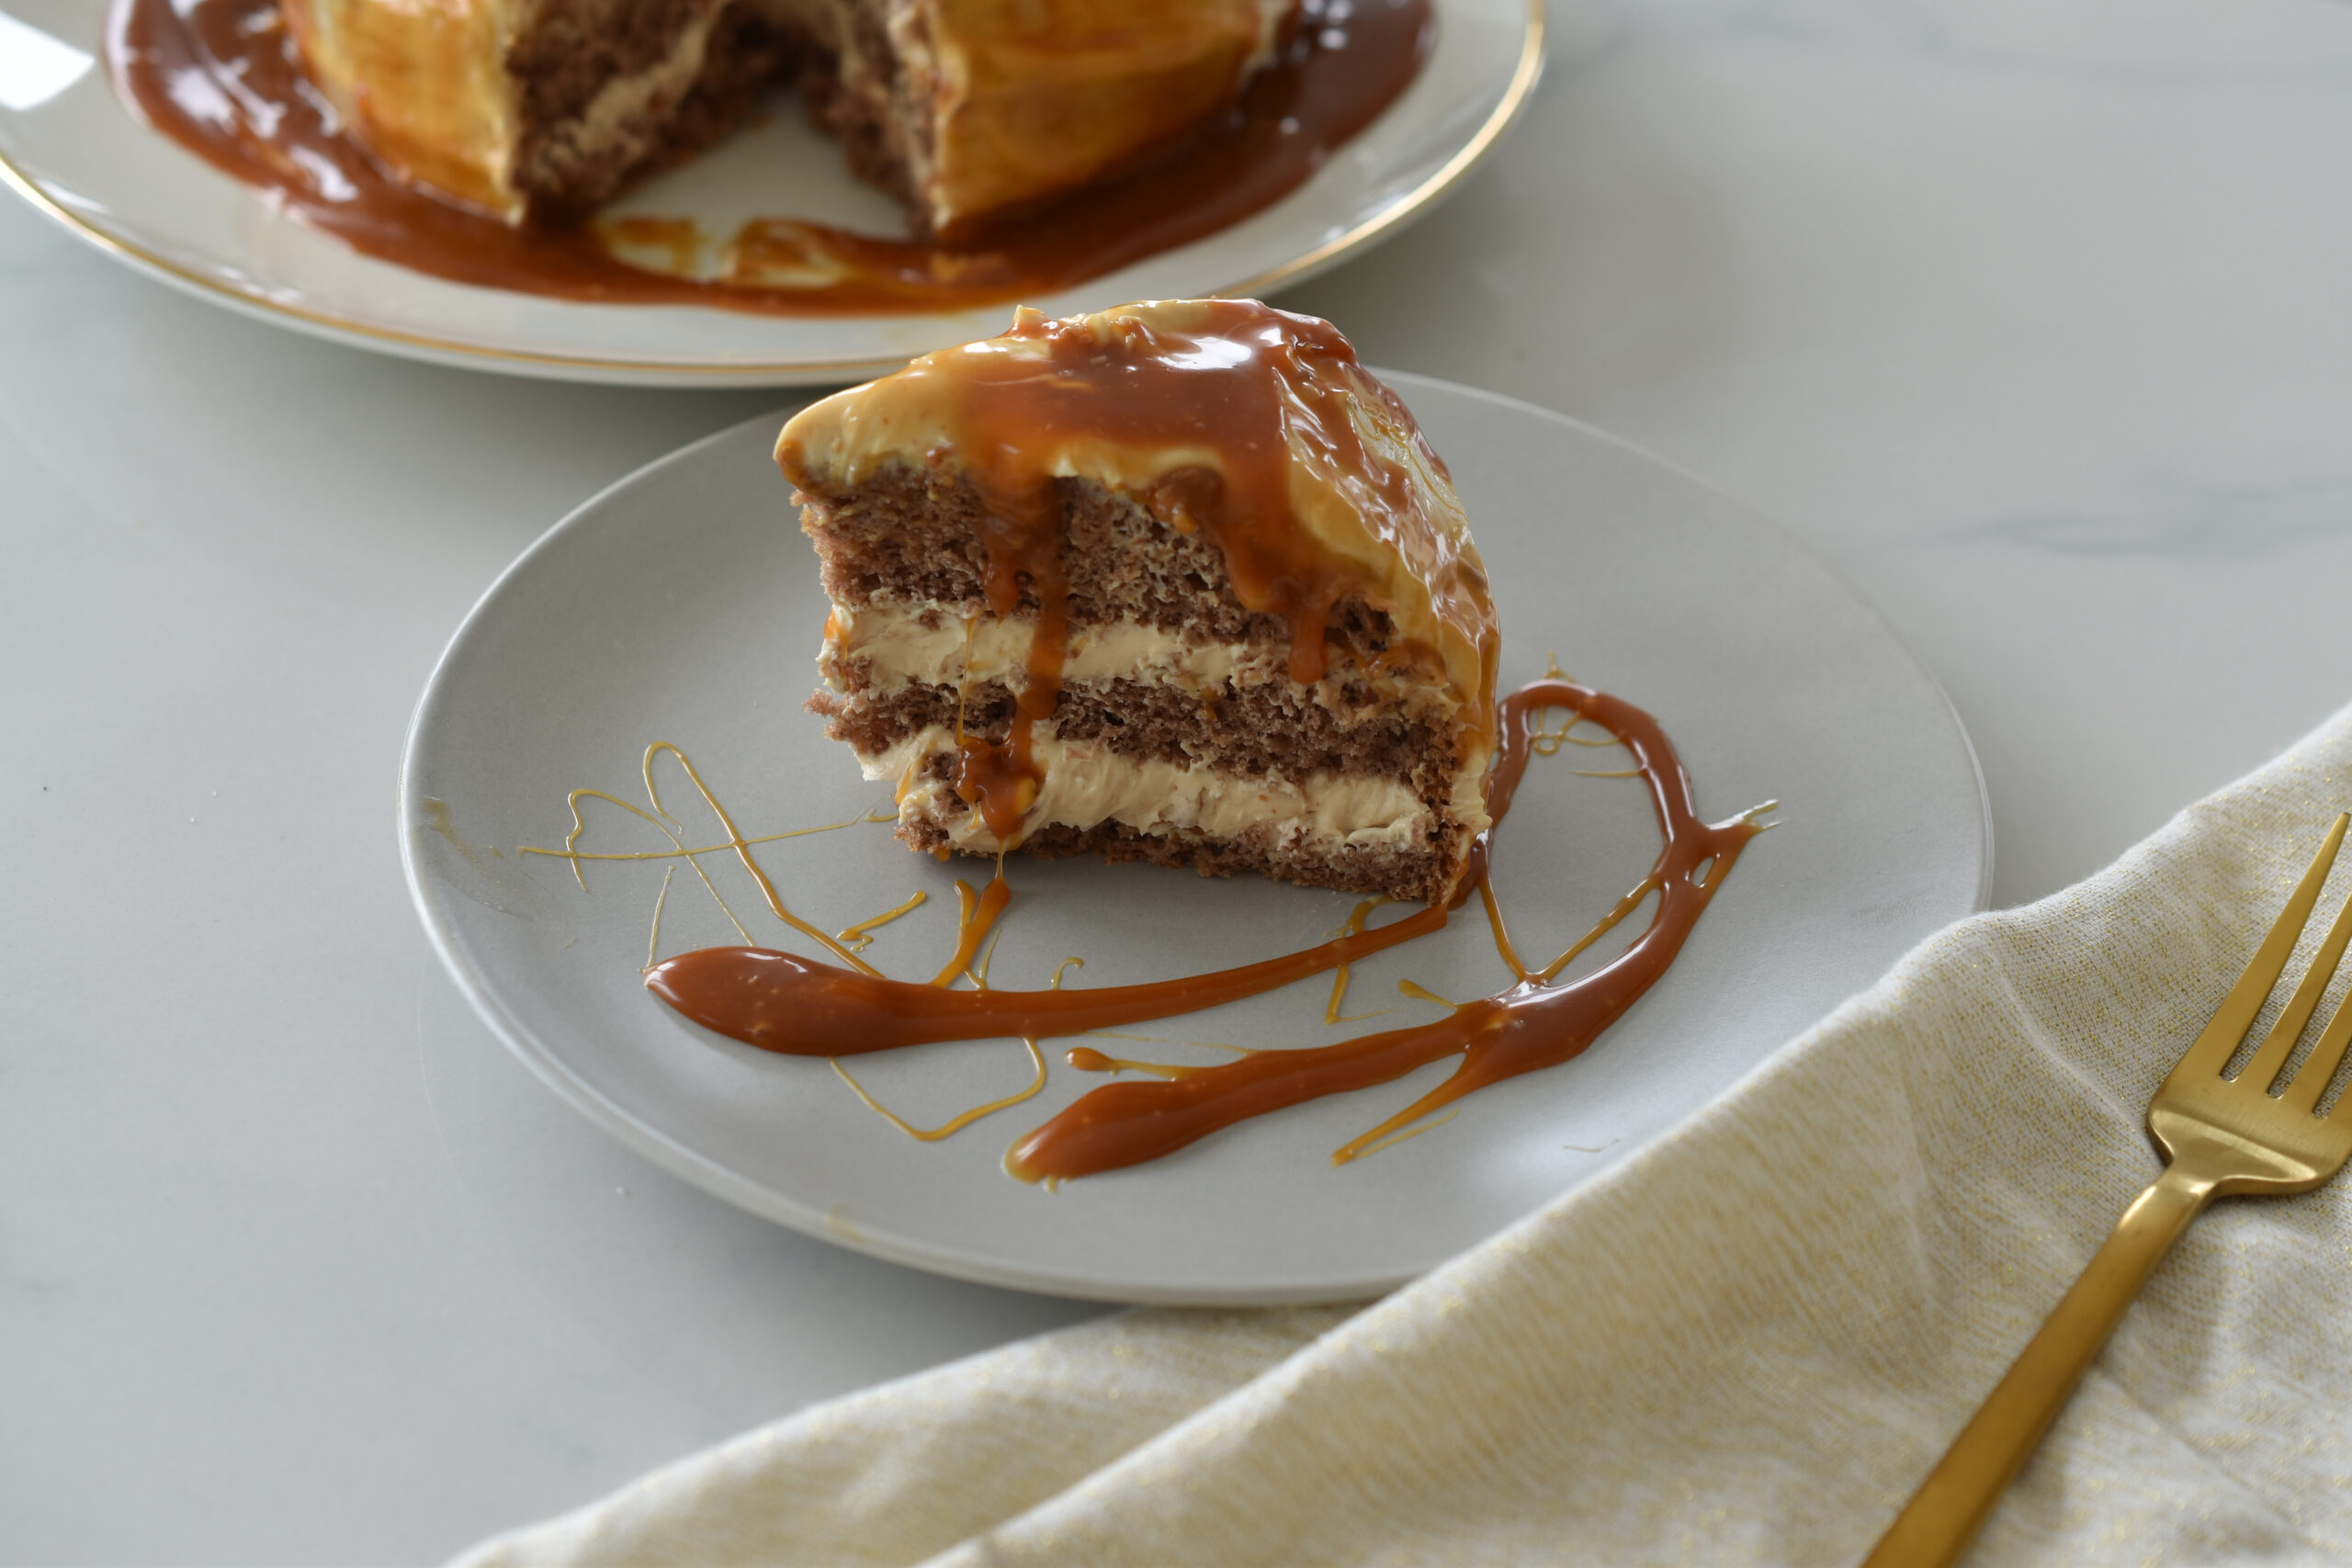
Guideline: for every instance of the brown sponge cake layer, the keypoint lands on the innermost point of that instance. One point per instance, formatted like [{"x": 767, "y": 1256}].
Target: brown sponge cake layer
[
  {"x": 568, "y": 160},
  {"x": 1248, "y": 732},
  {"x": 563, "y": 58},
  {"x": 910, "y": 534}
]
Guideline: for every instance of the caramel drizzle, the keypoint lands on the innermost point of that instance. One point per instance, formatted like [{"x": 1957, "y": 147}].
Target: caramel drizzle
[
  {"x": 1409, "y": 1134},
  {"x": 854, "y": 940},
  {"x": 979, "y": 981},
  {"x": 670, "y": 827},
  {"x": 654, "y": 937},
  {"x": 1353, "y": 927},
  {"x": 976, "y": 914},
  {"x": 961, "y": 1120},
  {"x": 860, "y": 937},
  {"x": 1022, "y": 532},
  {"x": 1087, "y": 1059},
  {"x": 781, "y": 1003},
  {"x": 1421, "y": 993}
]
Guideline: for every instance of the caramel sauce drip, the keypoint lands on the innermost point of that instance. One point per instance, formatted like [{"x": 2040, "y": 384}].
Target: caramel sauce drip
[
  {"x": 1023, "y": 535},
  {"x": 801, "y": 1007},
  {"x": 975, "y": 918},
  {"x": 1260, "y": 389},
  {"x": 223, "y": 79}
]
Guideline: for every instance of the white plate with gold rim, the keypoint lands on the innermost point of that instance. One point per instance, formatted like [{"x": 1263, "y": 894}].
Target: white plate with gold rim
[
  {"x": 683, "y": 605},
  {"x": 70, "y": 145}
]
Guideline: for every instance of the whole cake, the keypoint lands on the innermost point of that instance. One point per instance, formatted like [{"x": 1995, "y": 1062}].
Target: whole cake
[
  {"x": 1180, "y": 581},
  {"x": 546, "y": 109}
]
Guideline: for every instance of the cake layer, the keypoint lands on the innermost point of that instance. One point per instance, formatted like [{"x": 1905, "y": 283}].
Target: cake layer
[
  {"x": 881, "y": 646},
  {"x": 874, "y": 651},
  {"x": 1087, "y": 784},
  {"x": 586, "y": 123},
  {"x": 1269, "y": 731},
  {"x": 913, "y": 534}
]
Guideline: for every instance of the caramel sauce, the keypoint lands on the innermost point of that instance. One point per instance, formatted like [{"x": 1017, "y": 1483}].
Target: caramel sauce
[
  {"x": 223, "y": 79},
  {"x": 668, "y": 826},
  {"x": 1407, "y": 1135},
  {"x": 1087, "y": 1059},
  {"x": 1352, "y": 926},
  {"x": 860, "y": 937},
  {"x": 653, "y": 933},
  {"x": 1265, "y": 392},
  {"x": 674, "y": 244},
  {"x": 781, "y": 1003},
  {"x": 978, "y": 911},
  {"x": 976, "y": 914},
  {"x": 962, "y": 1119}
]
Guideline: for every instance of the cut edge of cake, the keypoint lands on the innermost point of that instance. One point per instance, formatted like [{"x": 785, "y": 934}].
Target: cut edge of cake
[{"x": 546, "y": 110}]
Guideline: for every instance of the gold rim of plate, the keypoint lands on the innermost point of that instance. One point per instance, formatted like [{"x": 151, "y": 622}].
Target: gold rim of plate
[{"x": 1524, "y": 74}]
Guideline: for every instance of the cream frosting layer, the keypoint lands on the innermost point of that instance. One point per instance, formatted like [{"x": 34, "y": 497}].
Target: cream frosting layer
[
  {"x": 1087, "y": 784},
  {"x": 912, "y": 641},
  {"x": 935, "y": 644}
]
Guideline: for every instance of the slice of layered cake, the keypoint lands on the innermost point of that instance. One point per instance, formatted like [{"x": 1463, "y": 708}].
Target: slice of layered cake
[
  {"x": 1179, "y": 582},
  {"x": 546, "y": 109}
]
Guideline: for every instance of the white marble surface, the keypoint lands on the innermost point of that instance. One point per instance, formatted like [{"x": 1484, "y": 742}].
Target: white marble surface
[{"x": 2031, "y": 315}]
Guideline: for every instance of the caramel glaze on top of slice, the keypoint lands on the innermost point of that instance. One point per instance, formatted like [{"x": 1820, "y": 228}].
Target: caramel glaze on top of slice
[{"x": 1251, "y": 426}]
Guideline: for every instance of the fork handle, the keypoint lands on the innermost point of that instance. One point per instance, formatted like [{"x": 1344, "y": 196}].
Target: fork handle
[{"x": 1952, "y": 1504}]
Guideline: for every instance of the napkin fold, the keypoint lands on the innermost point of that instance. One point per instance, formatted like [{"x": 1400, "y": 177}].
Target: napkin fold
[{"x": 1745, "y": 1344}]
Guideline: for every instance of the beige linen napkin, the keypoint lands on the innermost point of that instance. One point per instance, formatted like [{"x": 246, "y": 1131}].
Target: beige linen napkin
[{"x": 1745, "y": 1344}]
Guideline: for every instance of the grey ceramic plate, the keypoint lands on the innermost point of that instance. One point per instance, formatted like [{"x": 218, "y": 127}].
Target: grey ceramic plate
[{"x": 683, "y": 605}]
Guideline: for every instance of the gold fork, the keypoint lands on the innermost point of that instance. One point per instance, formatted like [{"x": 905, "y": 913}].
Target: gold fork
[{"x": 2219, "y": 1137}]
